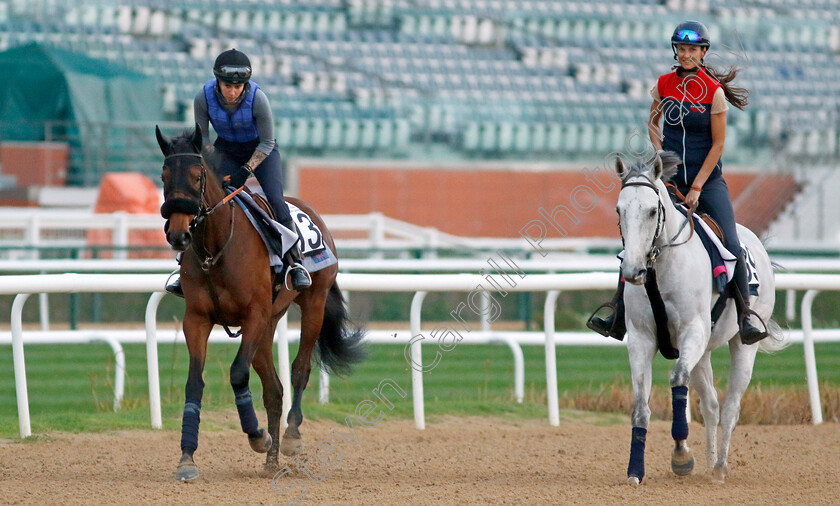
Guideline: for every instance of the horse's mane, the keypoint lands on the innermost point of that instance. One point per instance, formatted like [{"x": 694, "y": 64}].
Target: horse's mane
[{"x": 669, "y": 159}]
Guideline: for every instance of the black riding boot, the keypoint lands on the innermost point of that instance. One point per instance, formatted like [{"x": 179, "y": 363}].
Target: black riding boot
[
  {"x": 749, "y": 333},
  {"x": 300, "y": 278},
  {"x": 613, "y": 325},
  {"x": 175, "y": 287}
]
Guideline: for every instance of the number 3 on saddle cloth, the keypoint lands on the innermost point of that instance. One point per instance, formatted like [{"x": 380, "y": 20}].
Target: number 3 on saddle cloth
[{"x": 278, "y": 239}]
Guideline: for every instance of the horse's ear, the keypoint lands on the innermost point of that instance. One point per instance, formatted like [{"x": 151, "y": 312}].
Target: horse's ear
[
  {"x": 657, "y": 166},
  {"x": 619, "y": 167},
  {"x": 163, "y": 142},
  {"x": 196, "y": 138}
]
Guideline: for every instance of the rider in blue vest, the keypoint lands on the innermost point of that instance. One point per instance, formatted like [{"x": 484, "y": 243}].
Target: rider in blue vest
[
  {"x": 241, "y": 116},
  {"x": 693, "y": 99}
]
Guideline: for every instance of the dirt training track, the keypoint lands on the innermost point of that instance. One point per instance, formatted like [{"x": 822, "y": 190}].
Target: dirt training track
[{"x": 454, "y": 461}]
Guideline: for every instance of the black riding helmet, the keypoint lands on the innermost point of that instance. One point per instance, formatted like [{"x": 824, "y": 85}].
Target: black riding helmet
[{"x": 232, "y": 66}]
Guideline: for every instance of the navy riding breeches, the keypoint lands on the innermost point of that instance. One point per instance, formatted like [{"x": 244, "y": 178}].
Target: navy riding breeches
[{"x": 715, "y": 201}]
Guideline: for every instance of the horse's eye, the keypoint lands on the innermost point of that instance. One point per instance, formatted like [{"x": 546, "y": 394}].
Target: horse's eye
[{"x": 652, "y": 213}]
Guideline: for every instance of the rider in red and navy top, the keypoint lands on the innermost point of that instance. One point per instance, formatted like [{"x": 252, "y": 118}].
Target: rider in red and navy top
[
  {"x": 692, "y": 100},
  {"x": 241, "y": 116}
]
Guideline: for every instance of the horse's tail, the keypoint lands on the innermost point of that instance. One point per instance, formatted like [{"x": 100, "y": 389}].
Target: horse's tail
[
  {"x": 339, "y": 346},
  {"x": 776, "y": 340}
]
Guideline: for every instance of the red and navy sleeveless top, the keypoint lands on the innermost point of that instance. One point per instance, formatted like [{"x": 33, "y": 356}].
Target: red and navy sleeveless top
[{"x": 687, "y": 109}]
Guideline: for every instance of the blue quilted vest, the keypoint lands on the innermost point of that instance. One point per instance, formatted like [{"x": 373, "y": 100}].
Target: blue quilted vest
[
  {"x": 240, "y": 126},
  {"x": 687, "y": 103}
]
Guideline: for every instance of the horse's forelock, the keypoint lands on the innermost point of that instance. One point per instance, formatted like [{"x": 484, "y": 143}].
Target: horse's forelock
[
  {"x": 669, "y": 159},
  {"x": 183, "y": 143}
]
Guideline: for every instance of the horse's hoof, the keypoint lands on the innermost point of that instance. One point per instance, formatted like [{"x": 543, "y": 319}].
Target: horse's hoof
[
  {"x": 291, "y": 446},
  {"x": 633, "y": 480},
  {"x": 719, "y": 473},
  {"x": 260, "y": 443},
  {"x": 682, "y": 461},
  {"x": 187, "y": 473}
]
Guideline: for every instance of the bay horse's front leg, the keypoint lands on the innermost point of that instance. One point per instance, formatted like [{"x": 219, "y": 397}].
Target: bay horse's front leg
[
  {"x": 311, "y": 321},
  {"x": 196, "y": 331},
  {"x": 253, "y": 331},
  {"x": 692, "y": 346},
  {"x": 641, "y": 352},
  {"x": 272, "y": 396}
]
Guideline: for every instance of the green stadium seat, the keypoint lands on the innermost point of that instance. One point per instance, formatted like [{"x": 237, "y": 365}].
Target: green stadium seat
[
  {"x": 317, "y": 133},
  {"x": 488, "y": 136},
  {"x": 351, "y": 133},
  {"x": 571, "y": 137},
  {"x": 470, "y": 140},
  {"x": 586, "y": 141},
  {"x": 367, "y": 137},
  {"x": 521, "y": 137},
  {"x": 335, "y": 132},
  {"x": 505, "y": 136},
  {"x": 385, "y": 134},
  {"x": 300, "y": 133},
  {"x": 554, "y": 138},
  {"x": 283, "y": 132},
  {"x": 403, "y": 133},
  {"x": 538, "y": 137}
]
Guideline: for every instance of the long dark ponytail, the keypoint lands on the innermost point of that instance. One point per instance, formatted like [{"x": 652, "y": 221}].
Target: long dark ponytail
[{"x": 734, "y": 95}]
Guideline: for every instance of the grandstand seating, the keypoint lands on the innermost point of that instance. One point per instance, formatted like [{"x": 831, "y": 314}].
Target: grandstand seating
[{"x": 472, "y": 78}]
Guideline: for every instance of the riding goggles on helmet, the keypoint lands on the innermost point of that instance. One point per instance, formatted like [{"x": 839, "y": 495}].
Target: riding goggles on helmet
[
  {"x": 238, "y": 72},
  {"x": 688, "y": 36}
]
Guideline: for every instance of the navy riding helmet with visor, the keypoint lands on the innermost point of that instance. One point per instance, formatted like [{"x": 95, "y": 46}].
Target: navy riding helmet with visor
[{"x": 691, "y": 33}]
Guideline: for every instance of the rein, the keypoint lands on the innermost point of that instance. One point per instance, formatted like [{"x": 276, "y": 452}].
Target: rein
[{"x": 654, "y": 250}]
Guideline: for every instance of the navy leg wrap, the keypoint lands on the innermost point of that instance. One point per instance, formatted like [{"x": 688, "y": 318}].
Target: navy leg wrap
[
  {"x": 189, "y": 425},
  {"x": 679, "y": 427},
  {"x": 636, "y": 467},
  {"x": 245, "y": 407}
]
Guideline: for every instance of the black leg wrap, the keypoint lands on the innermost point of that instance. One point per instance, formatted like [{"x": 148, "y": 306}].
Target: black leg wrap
[
  {"x": 636, "y": 467},
  {"x": 245, "y": 407},
  {"x": 189, "y": 425},
  {"x": 679, "y": 426}
]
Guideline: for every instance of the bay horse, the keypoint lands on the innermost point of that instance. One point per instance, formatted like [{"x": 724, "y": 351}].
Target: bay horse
[
  {"x": 226, "y": 280},
  {"x": 653, "y": 235}
]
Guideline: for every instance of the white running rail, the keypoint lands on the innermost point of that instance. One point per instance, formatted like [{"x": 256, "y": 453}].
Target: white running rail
[{"x": 24, "y": 286}]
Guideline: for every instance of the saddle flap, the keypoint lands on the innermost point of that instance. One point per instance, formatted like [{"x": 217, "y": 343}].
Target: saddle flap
[{"x": 713, "y": 225}]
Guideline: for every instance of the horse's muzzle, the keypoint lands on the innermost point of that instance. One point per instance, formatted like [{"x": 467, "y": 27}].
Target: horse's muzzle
[
  {"x": 637, "y": 277},
  {"x": 180, "y": 240}
]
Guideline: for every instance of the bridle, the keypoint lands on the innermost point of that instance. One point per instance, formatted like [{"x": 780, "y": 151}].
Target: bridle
[
  {"x": 200, "y": 210},
  {"x": 654, "y": 250}
]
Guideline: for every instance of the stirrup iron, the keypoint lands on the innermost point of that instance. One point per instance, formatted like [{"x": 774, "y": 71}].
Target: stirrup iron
[{"x": 605, "y": 332}]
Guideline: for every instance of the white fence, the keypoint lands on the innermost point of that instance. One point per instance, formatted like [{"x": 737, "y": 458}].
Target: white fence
[{"x": 24, "y": 286}]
